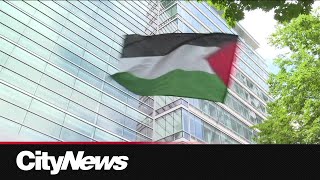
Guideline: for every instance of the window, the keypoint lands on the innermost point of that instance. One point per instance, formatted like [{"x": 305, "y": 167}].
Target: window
[
  {"x": 14, "y": 12},
  {"x": 79, "y": 126},
  {"x": 76, "y": 29},
  {"x": 29, "y": 59},
  {"x": 74, "y": 37},
  {"x": 104, "y": 136},
  {"x": 90, "y": 79},
  {"x": 94, "y": 60},
  {"x": 46, "y": 10},
  {"x": 48, "y": 21},
  {"x": 14, "y": 96},
  {"x": 47, "y": 111},
  {"x": 84, "y": 100},
  {"x": 59, "y": 75},
  {"x": 81, "y": 112},
  {"x": 109, "y": 125},
  {"x": 185, "y": 117},
  {"x": 42, "y": 125},
  {"x": 78, "y": 21},
  {"x": 8, "y": 126},
  {"x": 9, "y": 33},
  {"x": 56, "y": 86},
  {"x": 110, "y": 102},
  {"x": 69, "y": 135},
  {"x": 87, "y": 90},
  {"x": 169, "y": 124},
  {"x": 18, "y": 80},
  {"x": 52, "y": 97},
  {"x": 115, "y": 92},
  {"x": 31, "y": 135},
  {"x": 129, "y": 135},
  {"x": 92, "y": 69},
  {"x": 11, "y": 22},
  {"x": 98, "y": 52},
  {"x": 43, "y": 30},
  {"x": 38, "y": 38},
  {"x": 67, "y": 54},
  {"x": 70, "y": 46},
  {"x": 112, "y": 114},
  {"x": 11, "y": 112},
  {"x": 135, "y": 114}
]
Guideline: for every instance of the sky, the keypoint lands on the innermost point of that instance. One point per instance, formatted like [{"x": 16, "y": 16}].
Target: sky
[{"x": 261, "y": 25}]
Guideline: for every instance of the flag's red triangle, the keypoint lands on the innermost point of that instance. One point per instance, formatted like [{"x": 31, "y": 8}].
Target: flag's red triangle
[{"x": 222, "y": 60}]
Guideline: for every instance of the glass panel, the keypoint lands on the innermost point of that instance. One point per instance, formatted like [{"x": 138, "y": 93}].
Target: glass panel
[
  {"x": 109, "y": 125},
  {"x": 112, "y": 114},
  {"x": 18, "y": 80},
  {"x": 90, "y": 79},
  {"x": 59, "y": 75},
  {"x": 34, "y": 47},
  {"x": 23, "y": 69},
  {"x": 85, "y": 101},
  {"x": 43, "y": 30},
  {"x": 69, "y": 135},
  {"x": 40, "y": 124},
  {"x": 67, "y": 54},
  {"x": 93, "y": 69},
  {"x": 9, "y": 128},
  {"x": 9, "y": 33},
  {"x": 185, "y": 117},
  {"x": 87, "y": 90},
  {"x": 47, "y": 111},
  {"x": 131, "y": 136},
  {"x": 13, "y": 96},
  {"x": 78, "y": 126},
  {"x": 11, "y": 112},
  {"x": 64, "y": 64},
  {"x": 169, "y": 124},
  {"x": 81, "y": 112},
  {"x": 14, "y": 12},
  {"x": 198, "y": 128},
  {"x": 11, "y": 22},
  {"x": 31, "y": 135},
  {"x": 104, "y": 136},
  {"x": 55, "y": 86},
  {"x": 48, "y": 21},
  {"x": 38, "y": 38},
  {"x": 113, "y": 103},
  {"x": 70, "y": 46},
  {"x": 74, "y": 37},
  {"x": 177, "y": 121},
  {"x": 52, "y": 97}
]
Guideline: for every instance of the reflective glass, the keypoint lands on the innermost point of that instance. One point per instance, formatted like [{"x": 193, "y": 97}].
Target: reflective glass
[
  {"x": 32, "y": 135},
  {"x": 40, "y": 124},
  {"x": 47, "y": 111},
  {"x": 11, "y": 111}
]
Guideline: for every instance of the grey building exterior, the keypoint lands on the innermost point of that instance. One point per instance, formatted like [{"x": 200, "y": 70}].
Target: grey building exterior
[{"x": 55, "y": 62}]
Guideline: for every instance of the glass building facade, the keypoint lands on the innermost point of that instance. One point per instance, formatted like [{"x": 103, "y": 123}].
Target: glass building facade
[{"x": 56, "y": 58}]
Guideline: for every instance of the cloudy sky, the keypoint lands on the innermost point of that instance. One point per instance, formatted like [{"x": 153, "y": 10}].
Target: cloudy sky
[{"x": 261, "y": 25}]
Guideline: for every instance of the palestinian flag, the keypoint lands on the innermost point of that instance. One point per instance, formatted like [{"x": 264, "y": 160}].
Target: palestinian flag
[{"x": 183, "y": 65}]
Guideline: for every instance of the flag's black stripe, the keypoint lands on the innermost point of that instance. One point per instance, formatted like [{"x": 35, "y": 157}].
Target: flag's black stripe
[{"x": 160, "y": 45}]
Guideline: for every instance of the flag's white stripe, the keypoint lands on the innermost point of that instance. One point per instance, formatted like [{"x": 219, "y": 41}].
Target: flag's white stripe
[{"x": 186, "y": 57}]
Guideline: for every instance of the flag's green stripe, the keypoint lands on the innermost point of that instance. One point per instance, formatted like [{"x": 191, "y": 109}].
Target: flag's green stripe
[{"x": 193, "y": 84}]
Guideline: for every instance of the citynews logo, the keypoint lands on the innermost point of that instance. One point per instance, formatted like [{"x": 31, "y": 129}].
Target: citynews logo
[{"x": 42, "y": 161}]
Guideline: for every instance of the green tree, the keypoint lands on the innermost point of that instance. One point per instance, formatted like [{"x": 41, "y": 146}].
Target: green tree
[
  {"x": 284, "y": 11},
  {"x": 294, "y": 115}
]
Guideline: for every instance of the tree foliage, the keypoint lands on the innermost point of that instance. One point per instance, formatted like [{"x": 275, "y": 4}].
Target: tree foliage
[
  {"x": 284, "y": 11},
  {"x": 294, "y": 115}
]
